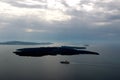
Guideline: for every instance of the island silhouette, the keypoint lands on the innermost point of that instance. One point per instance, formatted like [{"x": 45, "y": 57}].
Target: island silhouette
[
  {"x": 24, "y": 43},
  {"x": 43, "y": 51}
]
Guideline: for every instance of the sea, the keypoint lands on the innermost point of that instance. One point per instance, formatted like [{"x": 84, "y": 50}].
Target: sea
[{"x": 105, "y": 66}]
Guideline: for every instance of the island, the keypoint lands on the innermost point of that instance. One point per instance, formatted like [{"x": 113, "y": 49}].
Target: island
[
  {"x": 43, "y": 51},
  {"x": 23, "y": 43}
]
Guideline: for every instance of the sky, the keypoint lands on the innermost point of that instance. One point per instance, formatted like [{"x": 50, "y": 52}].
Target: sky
[{"x": 60, "y": 20}]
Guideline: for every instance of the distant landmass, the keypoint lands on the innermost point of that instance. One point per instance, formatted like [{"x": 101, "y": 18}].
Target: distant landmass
[
  {"x": 43, "y": 51},
  {"x": 23, "y": 43}
]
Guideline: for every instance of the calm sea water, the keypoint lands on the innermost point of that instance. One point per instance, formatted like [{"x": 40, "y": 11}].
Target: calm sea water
[{"x": 105, "y": 66}]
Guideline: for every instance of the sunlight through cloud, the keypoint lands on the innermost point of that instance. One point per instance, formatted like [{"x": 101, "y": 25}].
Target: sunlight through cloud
[
  {"x": 33, "y": 30},
  {"x": 72, "y": 2}
]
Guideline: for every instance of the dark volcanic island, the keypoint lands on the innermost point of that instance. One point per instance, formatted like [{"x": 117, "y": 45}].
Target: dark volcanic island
[{"x": 43, "y": 51}]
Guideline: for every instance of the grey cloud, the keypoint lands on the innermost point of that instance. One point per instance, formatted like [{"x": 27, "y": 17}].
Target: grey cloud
[
  {"x": 27, "y": 6},
  {"x": 21, "y": 5},
  {"x": 80, "y": 27},
  {"x": 111, "y": 9},
  {"x": 104, "y": 12},
  {"x": 108, "y": 9},
  {"x": 114, "y": 17},
  {"x": 73, "y": 30}
]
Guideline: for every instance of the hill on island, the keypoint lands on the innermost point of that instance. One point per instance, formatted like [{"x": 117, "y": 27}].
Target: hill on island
[{"x": 23, "y": 43}]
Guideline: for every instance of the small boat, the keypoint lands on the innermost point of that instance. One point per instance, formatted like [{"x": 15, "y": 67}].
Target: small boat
[{"x": 65, "y": 62}]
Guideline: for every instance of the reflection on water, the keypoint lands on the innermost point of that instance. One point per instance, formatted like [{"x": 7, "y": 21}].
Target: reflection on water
[{"x": 82, "y": 67}]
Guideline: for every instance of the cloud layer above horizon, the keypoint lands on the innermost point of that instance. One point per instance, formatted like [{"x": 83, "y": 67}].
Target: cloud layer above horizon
[{"x": 60, "y": 20}]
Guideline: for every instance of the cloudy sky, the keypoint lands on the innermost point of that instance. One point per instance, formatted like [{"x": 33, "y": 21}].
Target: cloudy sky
[{"x": 60, "y": 20}]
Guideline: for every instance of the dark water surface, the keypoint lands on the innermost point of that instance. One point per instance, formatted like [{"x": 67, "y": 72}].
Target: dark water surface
[{"x": 105, "y": 66}]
